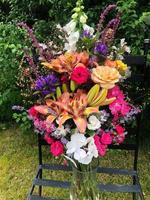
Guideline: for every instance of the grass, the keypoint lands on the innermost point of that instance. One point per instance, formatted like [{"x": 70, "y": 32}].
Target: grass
[{"x": 18, "y": 163}]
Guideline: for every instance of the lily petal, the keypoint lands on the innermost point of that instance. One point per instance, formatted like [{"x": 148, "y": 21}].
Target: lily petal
[
  {"x": 81, "y": 124},
  {"x": 64, "y": 117},
  {"x": 91, "y": 110},
  {"x": 42, "y": 109},
  {"x": 50, "y": 118}
]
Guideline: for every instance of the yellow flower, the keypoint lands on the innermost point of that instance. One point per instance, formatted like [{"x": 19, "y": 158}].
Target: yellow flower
[
  {"x": 105, "y": 76},
  {"x": 121, "y": 66}
]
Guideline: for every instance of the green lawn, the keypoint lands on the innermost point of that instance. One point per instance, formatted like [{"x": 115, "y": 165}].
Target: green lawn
[{"x": 18, "y": 163}]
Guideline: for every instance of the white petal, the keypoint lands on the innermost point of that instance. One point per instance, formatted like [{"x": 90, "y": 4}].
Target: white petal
[
  {"x": 88, "y": 28},
  {"x": 80, "y": 154}
]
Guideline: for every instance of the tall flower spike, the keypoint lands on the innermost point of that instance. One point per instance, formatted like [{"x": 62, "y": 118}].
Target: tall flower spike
[
  {"x": 103, "y": 16},
  {"x": 42, "y": 53},
  {"x": 109, "y": 32}
]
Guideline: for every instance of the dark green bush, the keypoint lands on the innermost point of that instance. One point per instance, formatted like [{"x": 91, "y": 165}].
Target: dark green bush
[{"x": 10, "y": 56}]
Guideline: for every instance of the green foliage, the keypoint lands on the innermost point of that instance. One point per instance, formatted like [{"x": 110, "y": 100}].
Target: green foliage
[
  {"x": 10, "y": 56},
  {"x": 23, "y": 120}
]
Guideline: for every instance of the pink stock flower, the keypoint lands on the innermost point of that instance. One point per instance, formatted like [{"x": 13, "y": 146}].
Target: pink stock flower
[
  {"x": 119, "y": 107},
  {"x": 106, "y": 138},
  {"x": 120, "y": 130},
  {"x": 57, "y": 148},
  {"x": 120, "y": 139},
  {"x": 100, "y": 147},
  {"x": 125, "y": 109},
  {"x": 116, "y": 92}
]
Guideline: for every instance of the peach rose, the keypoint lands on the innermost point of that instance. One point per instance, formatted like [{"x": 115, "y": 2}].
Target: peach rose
[{"x": 105, "y": 76}]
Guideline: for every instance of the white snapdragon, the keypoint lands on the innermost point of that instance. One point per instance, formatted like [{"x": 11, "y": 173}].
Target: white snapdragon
[
  {"x": 72, "y": 40},
  {"x": 94, "y": 123},
  {"x": 70, "y": 27}
]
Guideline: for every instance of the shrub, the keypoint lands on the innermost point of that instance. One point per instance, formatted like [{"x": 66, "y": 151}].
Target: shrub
[{"x": 10, "y": 55}]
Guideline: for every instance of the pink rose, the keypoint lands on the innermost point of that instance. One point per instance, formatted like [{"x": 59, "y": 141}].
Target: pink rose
[
  {"x": 80, "y": 74},
  {"x": 57, "y": 148},
  {"x": 48, "y": 139},
  {"x": 106, "y": 138}
]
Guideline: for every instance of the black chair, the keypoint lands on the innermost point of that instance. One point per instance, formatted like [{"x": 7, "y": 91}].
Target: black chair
[{"x": 135, "y": 188}]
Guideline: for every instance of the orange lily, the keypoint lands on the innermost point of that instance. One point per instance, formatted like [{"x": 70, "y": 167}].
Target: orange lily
[
  {"x": 71, "y": 106},
  {"x": 66, "y": 62}
]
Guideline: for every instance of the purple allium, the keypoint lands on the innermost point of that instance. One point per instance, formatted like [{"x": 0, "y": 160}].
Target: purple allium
[
  {"x": 46, "y": 84},
  {"x": 101, "y": 48},
  {"x": 86, "y": 34}
]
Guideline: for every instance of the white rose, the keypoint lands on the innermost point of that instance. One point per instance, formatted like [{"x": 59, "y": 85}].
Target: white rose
[{"x": 94, "y": 123}]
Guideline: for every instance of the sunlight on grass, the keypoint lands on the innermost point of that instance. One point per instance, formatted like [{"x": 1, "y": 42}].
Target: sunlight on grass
[{"x": 18, "y": 164}]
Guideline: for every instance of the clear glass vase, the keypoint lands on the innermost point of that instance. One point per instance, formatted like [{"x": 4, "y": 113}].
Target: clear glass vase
[{"x": 84, "y": 185}]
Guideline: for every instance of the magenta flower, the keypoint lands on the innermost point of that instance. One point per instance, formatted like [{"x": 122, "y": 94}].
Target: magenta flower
[
  {"x": 102, "y": 148},
  {"x": 57, "y": 148},
  {"x": 106, "y": 138}
]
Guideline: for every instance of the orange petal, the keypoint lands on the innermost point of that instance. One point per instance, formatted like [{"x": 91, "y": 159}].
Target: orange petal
[
  {"x": 46, "y": 64},
  {"x": 91, "y": 110},
  {"x": 42, "y": 109},
  {"x": 63, "y": 118},
  {"x": 50, "y": 118},
  {"x": 81, "y": 124}
]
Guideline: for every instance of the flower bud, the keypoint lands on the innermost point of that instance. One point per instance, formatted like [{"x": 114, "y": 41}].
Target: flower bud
[
  {"x": 74, "y": 16},
  {"x": 83, "y": 19}
]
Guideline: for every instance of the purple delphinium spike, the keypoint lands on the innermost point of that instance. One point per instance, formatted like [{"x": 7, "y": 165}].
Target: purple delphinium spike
[
  {"x": 101, "y": 48},
  {"x": 31, "y": 64},
  {"x": 103, "y": 16},
  {"x": 113, "y": 25},
  {"x": 35, "y": 43},
  {"x": 46, "y": 84}
]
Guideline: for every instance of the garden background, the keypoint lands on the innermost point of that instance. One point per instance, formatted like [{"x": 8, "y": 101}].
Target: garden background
[{"x": 18, "y": 151}]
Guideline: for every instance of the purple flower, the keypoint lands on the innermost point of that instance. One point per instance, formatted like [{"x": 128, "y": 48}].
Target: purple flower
[
  {"x": 101, "y": 48},
  {"x": 46, "y": 84},
  {"x": 86, "y": 34},
  {"x": 19, "y": 108}
]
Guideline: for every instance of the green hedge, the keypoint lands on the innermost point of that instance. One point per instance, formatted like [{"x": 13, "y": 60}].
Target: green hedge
[{"x": 10, "y": 56}]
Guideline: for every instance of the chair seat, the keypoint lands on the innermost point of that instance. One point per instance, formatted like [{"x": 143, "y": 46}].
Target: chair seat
[
  {"x": 136, "y": 188},
  {"x": 36, "y": 197}
]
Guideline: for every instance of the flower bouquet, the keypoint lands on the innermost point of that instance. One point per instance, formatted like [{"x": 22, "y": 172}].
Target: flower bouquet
[{"x": 80, "y": 106}]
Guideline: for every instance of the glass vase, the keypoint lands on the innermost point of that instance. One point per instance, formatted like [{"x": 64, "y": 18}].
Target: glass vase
[{"x": 84, "y": 185}]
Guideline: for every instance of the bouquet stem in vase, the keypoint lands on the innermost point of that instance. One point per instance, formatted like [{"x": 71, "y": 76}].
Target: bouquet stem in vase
[{"x": 84, "y": 184}]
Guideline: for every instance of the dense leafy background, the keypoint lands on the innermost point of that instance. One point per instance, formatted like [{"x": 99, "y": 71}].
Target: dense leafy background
[{"x": 42, "y": 15}]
